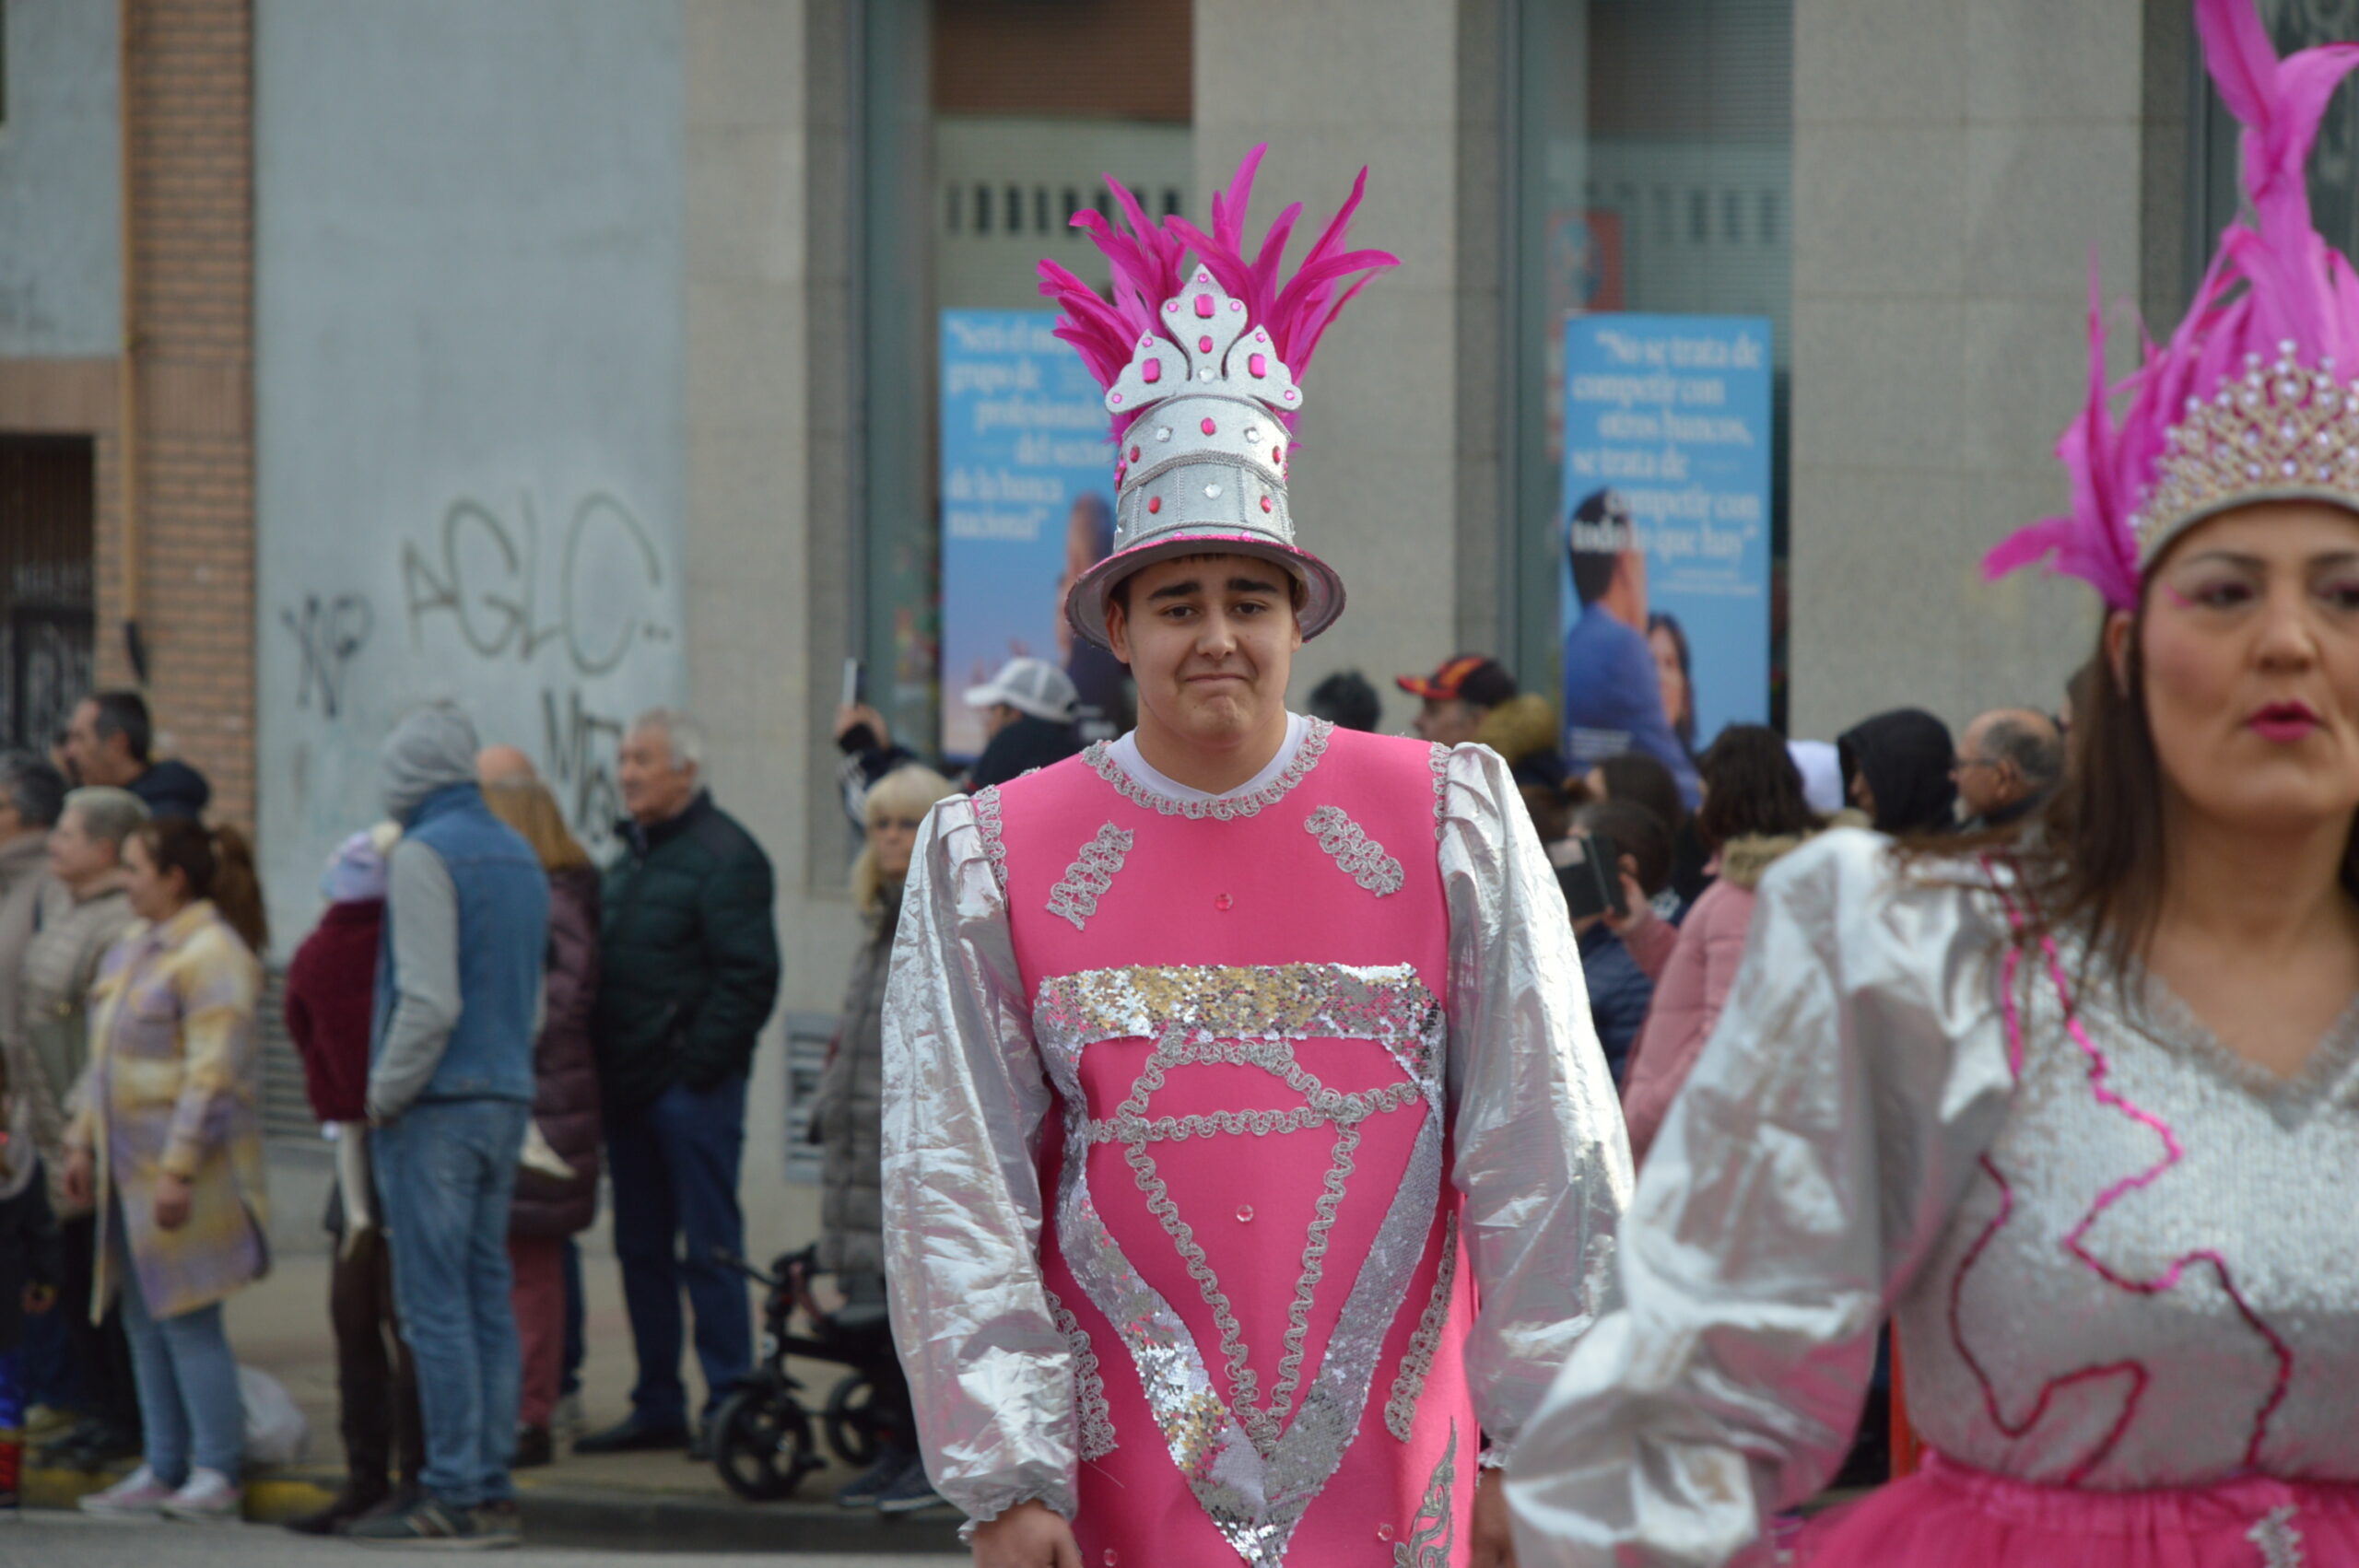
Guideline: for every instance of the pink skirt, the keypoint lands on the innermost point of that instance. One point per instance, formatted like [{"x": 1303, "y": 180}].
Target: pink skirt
[{"x": 1949, "y": 1516}]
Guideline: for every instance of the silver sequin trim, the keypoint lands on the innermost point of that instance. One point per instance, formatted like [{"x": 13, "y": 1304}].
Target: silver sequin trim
[
  {"x": 1225, "y": 1005},
  {"x": 1254, "y": 1499},
  {"x": 986, "y": 807},
  {"x": 1226, "y": 808},
  {"x": 1401, "y": 1411},
  {"x": 1438, "y": 759},
  {"x": 2280, "y": 1542},
  {"x": 1096, "y": 1416},
  {"x": 1090, "y": 875},
  {"x": 1433, "y": 1532},
  {"x": 1347, "y": 843}
]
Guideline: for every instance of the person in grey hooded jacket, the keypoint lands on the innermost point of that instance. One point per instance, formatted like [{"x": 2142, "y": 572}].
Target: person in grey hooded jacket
[{"x": 459, "y": 996}]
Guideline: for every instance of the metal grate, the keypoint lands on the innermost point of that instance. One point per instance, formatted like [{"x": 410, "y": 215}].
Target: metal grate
[
  {"x": 286, "y": 1109},
  {"x": 808, "y": 1036},
  {"x": 46, "y": 499}
]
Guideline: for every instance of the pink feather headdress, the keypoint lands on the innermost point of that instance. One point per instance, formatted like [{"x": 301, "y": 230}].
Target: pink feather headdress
[
  {"x": 1214, "y": 349},
  {"x": 2243, "y": 403}
]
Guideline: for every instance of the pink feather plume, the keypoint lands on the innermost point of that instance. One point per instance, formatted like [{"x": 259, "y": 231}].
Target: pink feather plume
[
  {"x": 2272, "y": 281},
  {"x": 1151, "y": 261}
]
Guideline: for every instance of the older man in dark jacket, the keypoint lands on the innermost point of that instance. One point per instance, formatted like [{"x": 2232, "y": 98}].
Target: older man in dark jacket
[{"x": 689, "y": 972}]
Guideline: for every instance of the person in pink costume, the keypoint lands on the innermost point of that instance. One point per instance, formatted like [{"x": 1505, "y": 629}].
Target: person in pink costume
[
  {"x": 2075, "y": 1102},
  {"x": 1250, "y": 1160}
]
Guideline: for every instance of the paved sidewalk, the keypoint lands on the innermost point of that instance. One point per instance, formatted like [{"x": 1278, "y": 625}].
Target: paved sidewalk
[{"x": 281, "y": 1326}]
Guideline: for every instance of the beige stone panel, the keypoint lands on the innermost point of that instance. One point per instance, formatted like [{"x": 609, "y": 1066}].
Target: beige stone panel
[
  {"x": 2026, "y": 377},
  {"x": 2039, "y": 196},
  {"x": 746, "y": 349},
  {"x": 1879, "y": 209},
  {"x": 1877, "y": 383},
  {"x": 743, "y": 187},
  {"x": 1892, "y": 61},
  {"x": 731, "y": 50},
  {"x": 2029, "y": 61}
]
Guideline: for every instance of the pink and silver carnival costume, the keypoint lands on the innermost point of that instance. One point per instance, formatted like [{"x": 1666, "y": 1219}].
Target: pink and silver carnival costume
[
  {"x": 2123, "y": 1261},
  {"x": 1248, "y": 1160}
]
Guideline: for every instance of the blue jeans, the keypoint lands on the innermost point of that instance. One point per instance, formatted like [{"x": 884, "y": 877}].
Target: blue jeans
[
  {"x": 445, "y": 1173},
  {"x": 675, "y": 1169},
  {"x": 190, "y": 1410}
]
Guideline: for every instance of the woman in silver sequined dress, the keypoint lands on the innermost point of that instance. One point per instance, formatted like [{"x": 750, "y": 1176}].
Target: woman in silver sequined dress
[{"x": 2078, "y": 1107}]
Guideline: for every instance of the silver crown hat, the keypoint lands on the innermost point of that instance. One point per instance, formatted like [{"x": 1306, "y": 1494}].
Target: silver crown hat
[{"x": 1200, "y": 394}]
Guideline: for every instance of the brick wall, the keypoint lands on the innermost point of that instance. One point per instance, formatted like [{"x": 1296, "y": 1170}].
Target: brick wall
[{"x": 189, "y": 92}]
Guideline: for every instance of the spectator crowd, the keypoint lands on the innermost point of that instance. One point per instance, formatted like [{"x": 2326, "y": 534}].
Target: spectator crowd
[{"x": 487, "y": 1022}]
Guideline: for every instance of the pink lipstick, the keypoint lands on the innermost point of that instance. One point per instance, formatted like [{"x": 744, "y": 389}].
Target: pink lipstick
[{"x": 2284, "y": 723}]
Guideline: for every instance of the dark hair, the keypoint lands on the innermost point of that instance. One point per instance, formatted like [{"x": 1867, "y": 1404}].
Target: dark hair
[
  {"x": 1346, "y": 698},
  {"x": 1752, "y": 789},
  {"x": 1638, "y": 833},
  {"x": 2037, "y": 750},
  {"x": 1296, "y": 590},
  {"x": 33, "y": 787},
  {"x": 1600, "y": 534},
  {"x": 1684, "y": 725},
  {"x": 1640, "y": 779},
  {"x": 124, "y": 713},
  {"x": 1551, "y": 814},
  {"x": 218, "y": 864}
]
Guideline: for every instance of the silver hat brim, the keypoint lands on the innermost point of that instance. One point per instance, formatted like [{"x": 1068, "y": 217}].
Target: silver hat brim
[{"x": 1085, "y": 601}]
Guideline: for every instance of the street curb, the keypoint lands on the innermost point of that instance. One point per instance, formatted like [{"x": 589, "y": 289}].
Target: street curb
[{"x": 556, "y": 1513}]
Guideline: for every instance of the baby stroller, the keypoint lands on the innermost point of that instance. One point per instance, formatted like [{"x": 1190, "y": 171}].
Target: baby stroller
[{"x": 762, "y": 1441}]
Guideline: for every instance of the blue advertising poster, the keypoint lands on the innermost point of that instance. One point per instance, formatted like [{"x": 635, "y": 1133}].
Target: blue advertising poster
[
  {"x": 1664, "y": 535},
  {"x": 1028, "y": 498}
]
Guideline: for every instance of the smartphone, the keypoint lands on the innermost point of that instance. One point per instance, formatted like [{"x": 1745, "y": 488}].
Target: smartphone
[
  {"x": 1589, "y": 868},
  {"x": 855, "y": 684}
]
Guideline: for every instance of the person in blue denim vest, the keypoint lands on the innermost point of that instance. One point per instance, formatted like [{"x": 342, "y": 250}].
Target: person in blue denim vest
[{"x": 459, "y": 1001}]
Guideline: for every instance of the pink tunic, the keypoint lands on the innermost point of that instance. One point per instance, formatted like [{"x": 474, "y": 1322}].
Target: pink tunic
[{"x": 1243, "y": 1021}]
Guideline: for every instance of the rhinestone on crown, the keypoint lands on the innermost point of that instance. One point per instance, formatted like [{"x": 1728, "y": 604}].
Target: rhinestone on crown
[
  {"x": 2277, "y": 432},
  {"x": 1213, "y": 384}
]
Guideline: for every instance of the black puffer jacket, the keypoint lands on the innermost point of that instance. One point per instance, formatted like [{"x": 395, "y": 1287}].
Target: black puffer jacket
[
  {"x": 1027, "y": 744},
  {"x": 565, "y": 1068},
  {"x": 1906, "y": 755},
  {"x": 688, "y": 963}
]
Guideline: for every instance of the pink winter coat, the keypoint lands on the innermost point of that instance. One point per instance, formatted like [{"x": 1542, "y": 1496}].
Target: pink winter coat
[{"x": 1691, "y": 974}]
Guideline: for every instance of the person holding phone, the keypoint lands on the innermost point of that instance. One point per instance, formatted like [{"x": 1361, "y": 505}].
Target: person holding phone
[
  {"x": 1248, "y": 1162},
  {"x": 1630, "y": 846},
  {"x": 2077, "y": 1107}
]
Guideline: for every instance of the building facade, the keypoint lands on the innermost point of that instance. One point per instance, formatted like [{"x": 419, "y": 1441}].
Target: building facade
[{"x": 570, "y": 356}]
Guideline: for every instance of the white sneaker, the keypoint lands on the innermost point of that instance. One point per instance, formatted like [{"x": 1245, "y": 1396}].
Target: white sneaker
[
  {"x": 209, "y": 1498},
  {"x": 567, "y": 1422},
  {"x": 136, "y": 1496}
]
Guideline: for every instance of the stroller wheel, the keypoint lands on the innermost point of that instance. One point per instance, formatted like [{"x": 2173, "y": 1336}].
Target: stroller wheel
[
  {"x": 855, "y": 1432},
  {"x": 761, "y": 1444}
]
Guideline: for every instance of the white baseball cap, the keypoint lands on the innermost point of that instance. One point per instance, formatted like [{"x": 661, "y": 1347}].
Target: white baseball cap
[{"x": 1028, "y": 685}]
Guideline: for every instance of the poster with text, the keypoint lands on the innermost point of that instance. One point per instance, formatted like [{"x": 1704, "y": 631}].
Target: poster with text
[
  {"x": 1663, "y": 534},
  {"x": 1028, "y": 504}
]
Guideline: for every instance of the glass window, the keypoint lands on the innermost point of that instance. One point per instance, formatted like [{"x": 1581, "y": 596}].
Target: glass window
[
  {"x": 1652, "y": 167},
  {"x": 1004, "y": 114},
  {"x": 2334, "y": 163}
]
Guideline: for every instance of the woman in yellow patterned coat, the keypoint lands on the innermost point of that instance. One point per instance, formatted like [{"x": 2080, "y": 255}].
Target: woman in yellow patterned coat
[{"x": 168, "y": 1145}]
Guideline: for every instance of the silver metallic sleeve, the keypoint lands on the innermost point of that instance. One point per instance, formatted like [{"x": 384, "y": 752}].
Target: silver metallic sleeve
[
  {"x": 965, "y": 1100},
  {"x": 1818, "y": 1150},
  {"x": 1540, "y": 1155}
]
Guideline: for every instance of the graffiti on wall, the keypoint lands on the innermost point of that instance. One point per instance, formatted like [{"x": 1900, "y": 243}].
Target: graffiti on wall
[{"x": 551, "y": 637}]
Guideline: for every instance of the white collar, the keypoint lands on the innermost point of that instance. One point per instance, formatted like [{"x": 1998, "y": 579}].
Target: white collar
[{"x": 1125, "y": 754}]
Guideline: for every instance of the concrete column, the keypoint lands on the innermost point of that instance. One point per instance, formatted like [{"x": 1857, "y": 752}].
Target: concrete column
[
  {"x": 1375, "y": 483},
  {"x": 1954, "y": 165},
  {"x": 750, "y": 523}
]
